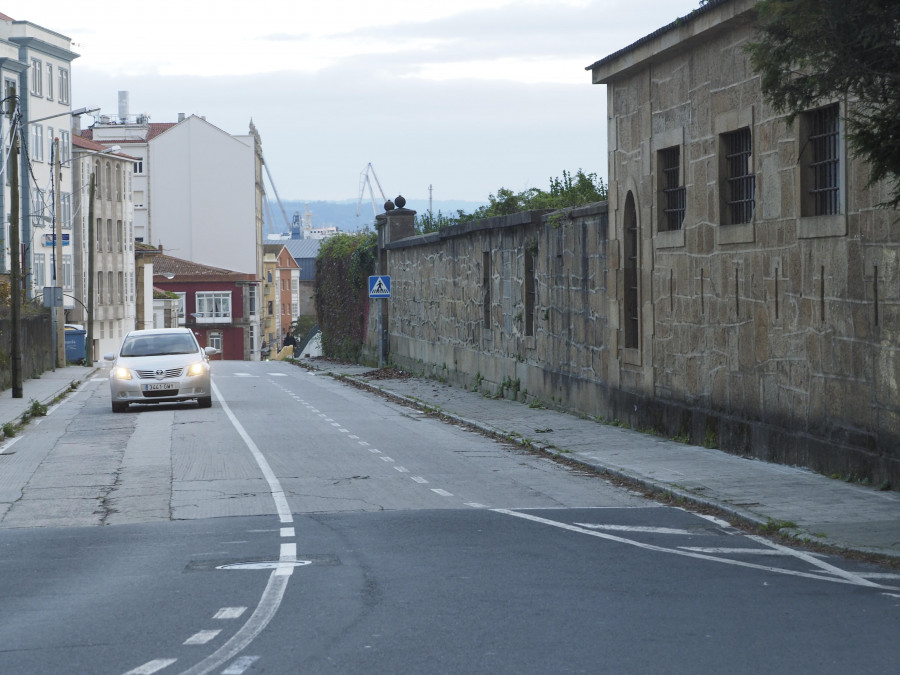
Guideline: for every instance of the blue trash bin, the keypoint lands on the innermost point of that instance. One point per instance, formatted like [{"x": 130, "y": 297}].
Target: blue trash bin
[{"x": 75, "y": 345}]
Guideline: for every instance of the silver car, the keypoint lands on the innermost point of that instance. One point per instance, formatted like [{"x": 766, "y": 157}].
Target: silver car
[{"x": 160, "y": 365}]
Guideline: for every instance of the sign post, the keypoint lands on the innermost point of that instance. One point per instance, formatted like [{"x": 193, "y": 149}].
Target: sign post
[{"x": 380, "y": 288}]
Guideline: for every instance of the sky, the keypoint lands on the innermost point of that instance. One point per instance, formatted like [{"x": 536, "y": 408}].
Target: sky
[{"x": 448, "y": 100}]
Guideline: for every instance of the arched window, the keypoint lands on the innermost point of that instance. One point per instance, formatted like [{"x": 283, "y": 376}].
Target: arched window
[
  {"x": 108, "y": 179},
  {"x": 118, "y": 183},
  {"x": 631, "y": 296}
]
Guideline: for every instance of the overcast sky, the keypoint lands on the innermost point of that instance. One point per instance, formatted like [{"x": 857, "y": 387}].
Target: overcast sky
[{"x": 467, "y": 96}]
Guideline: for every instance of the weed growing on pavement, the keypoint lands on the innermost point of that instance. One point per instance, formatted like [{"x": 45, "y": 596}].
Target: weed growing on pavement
[
  {"x": 37, "y": 409},
  {"x": 775, "y": 526},
  {"x": 9, "y": 429}
]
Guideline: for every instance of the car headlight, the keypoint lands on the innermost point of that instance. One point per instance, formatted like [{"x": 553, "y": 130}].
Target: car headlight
[
  {"x": 197, "y": 369},
  {"x": 121, "y": 373}
]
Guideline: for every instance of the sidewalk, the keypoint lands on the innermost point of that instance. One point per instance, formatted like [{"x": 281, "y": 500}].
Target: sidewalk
[
  {"x": 823, "y": 510},
  {"x": 44, "y": 390}
]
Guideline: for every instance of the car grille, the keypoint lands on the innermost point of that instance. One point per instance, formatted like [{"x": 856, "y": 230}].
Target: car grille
[{"x": 151, "y": 374}]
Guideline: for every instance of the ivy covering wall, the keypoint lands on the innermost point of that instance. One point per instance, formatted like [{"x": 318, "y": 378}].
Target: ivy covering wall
[{"x": 343, "y": 267}]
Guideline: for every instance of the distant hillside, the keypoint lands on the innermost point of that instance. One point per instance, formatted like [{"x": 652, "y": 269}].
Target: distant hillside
[{"x": 343, "y": 214}]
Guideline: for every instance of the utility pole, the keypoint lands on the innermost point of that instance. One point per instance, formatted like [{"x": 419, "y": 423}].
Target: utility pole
[
  {"x": 89, "y": 342},
  {"x": 15, "y": 276},
  {"x": 59, "y": 311}
]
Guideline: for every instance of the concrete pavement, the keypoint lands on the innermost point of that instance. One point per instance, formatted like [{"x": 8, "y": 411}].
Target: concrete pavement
[{"x": 798, "y": 502}]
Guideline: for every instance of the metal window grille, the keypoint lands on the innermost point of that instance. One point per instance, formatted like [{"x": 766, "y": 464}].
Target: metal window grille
[
  {"x": 740, "y": 182},
  {"x": 673, "y": 192},
  {"x": 825, "y": 164},
  {"x": 631, "y": 304}
]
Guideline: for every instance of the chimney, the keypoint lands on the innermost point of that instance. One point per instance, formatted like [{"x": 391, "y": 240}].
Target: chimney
[
  {"x": 123, "y": 106},
  {"x": 181, "y": 117}
]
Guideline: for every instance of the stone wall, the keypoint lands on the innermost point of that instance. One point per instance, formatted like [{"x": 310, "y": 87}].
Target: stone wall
[
  {"x": 36, "y": 346},
  {"x": 722, "y": 371}
]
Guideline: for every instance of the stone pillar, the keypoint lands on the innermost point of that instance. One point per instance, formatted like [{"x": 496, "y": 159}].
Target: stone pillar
[{"x": 399, "y": 223}]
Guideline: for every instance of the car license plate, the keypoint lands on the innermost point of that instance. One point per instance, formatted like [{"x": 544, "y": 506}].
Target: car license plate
[{"x": 160, "y": 386}]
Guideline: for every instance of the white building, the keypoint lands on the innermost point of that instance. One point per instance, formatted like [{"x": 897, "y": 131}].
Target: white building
[
  {"x": 35, "y": 63},
  {"x": 104, "y": 244},
  {"x": 198, "y": 191}
]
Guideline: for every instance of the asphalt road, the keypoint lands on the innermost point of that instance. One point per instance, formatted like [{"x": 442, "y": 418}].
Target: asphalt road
[{"x": 303, "y": 526}]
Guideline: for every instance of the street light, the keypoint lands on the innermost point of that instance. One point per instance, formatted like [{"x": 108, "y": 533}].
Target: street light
[{"x": 74, "y": 113}]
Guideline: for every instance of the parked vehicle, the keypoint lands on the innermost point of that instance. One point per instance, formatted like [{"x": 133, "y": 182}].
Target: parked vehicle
[{"x": 160, "y": 365}]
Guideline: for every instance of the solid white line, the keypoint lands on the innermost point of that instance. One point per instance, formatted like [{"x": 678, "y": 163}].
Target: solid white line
[
  {"x": 230, "y": 613},
  {"x": 736, "y": 551},
  {"x": 151, "y": 667},
  {"x": 821, "y": 564},
  {"x": 844, "y": 577},
  {"x": 202, "y": 637},
  {"x": 281, "y": 505},
  {"x": 262, "y": 615},
  {"x": 635, "y": 528}
]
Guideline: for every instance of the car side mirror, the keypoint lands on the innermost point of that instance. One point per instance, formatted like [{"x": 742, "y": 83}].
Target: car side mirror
[
  {"x": 109, "y": 357},
  {"x": 211, "y": 351}
]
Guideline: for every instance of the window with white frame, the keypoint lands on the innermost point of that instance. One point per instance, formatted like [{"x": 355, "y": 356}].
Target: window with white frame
[
  {"x": 120, "y": 298},
  {"x": 251, "y": 290},
  {"x": 63, "y": 85},
  {"x": 65, "y": 208},
  {"x": 214, "y": 339},
  {"x": 40, "y": 273},
  {"x": 37, "y": 142},
  {"x": 100, "y": 276},
  {"x": 109, "y": 288},
  {"x": 49, "y": 81},
  {"x": 65, "y": 146},
  {"x": 37, "y": 77},
  {"x": 181, "y": 305},
  {"x": 67, "y": 271},
  {"x": 139, "y": 166},
  {"x": 37, "y": 206},
  {"x": 214, "y": 306}
]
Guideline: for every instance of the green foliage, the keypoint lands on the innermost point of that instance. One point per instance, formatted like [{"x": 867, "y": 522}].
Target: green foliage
[
  {"x": 343, "y": 267},
  {"x": 569, "y": 191},
  {"x": 810, "y": 52},
  {"x": 9, "y": 429}
]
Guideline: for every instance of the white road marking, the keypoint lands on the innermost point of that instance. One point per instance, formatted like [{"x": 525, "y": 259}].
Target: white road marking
[
  {"x": 476, "y": 505},
  {"x": 344, "y": 431},
  {"x": 401, "y": 469},
  {"x": 363, "y": 443},
  {"x": 277, "y": 374},
  {"x": 6, "y": 446},
  {"x": 442, "y": 493},
  {"x": 730, "y": 551},
  {"x": 375, "y": 451},
  {"x": 354, "y": 437},
  {"x": 635, "y": 528},
  {"x": 335, "y": 424},
  {"x": 419, "y": 479},
  {"x": 152, "y": 667},
  {"x": 240, "y": 665},
  {"x": 230, "y": 613},
  {"x": 384, "y": 458},
  {"x": 287, "y": 531},
  {"x": 245, "y": 375},
  {"x": 841, "y": 575},
  {"x": 821, "y": 564},
  {"x": 202, "y": 637},
  {"x": 281, "y": 505}
]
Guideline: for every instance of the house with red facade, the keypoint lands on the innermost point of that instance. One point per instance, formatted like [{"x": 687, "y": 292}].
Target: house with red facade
[{"x": 213, "y": 302}]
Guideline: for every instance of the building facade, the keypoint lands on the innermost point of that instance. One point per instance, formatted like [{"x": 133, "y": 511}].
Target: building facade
[
  {"x": 36, "y": 65},
  {"x": 281, "y": 292},
  {"x": 215, "y": 303},
  {"x": 102, "y": 269}
]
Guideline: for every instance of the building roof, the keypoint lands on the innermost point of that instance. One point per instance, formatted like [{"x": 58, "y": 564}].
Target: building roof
[
  {"x": 91, "y": 146},
  {"x": 154, "y": 129},
  {"x": 187, "y": 270},
  {"x": 685, "y": 23},
  {"x": 303, "y": 248}
]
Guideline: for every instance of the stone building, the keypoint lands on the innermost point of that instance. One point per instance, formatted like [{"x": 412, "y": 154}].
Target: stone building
[{"x": 740, "y": 289}]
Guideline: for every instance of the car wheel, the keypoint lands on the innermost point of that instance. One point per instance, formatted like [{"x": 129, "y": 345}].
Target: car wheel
[
  {"x": 119, "y": 407},
  {"x": 205, "y": 401}
]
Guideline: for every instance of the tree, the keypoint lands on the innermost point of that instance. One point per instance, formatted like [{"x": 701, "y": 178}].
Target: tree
[{"x": 812, "y": 51}]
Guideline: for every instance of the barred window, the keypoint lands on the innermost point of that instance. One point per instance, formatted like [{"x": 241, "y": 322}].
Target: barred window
[
  {"x": 823, "y": 168},
  {"x": 739, "y": 181},
  {"x": 672, "y": 191}
]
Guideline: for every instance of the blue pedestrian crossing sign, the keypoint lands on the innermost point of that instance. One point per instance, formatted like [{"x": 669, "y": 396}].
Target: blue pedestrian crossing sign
[{"x": 380, "y": 287}]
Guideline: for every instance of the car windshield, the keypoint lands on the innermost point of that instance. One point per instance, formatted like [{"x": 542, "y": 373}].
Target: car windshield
[{"x": 156, "y": 345}]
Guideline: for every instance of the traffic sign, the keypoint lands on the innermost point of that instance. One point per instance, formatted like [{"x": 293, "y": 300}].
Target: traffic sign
[{"x": 380, "y": 286}]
